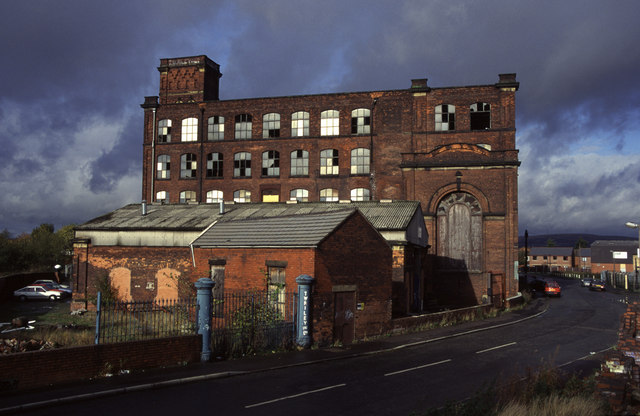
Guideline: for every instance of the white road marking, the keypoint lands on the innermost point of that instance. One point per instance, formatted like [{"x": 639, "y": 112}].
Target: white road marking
[
  {"x": 417, "y": 368},
  {"x": 495, "y": 348},
  {"x": 294, "y": 396}
]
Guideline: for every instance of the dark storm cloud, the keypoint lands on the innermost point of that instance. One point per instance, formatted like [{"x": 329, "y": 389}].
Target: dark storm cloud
[{"x": 76, "y": 71}]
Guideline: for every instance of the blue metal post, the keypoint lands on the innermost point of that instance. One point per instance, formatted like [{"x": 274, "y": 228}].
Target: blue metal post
[
  {"x": 98, "y": 312},
  {"x": 304, "y": 282},
  {"x": 204, "y": 301}
]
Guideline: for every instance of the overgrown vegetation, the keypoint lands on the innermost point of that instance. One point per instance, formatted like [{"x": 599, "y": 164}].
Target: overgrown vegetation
[
  {"x": 545, "y": 392},
  {"x": 38, "y": 251}
]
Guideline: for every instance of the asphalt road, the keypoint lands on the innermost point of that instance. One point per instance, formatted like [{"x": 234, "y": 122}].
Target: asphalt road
[{"x": 416, "y": 375}]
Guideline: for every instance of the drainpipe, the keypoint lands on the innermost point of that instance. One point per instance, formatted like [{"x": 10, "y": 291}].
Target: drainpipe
[
  {"x": 372, "y": 179},
  {"x": 153, "y": 156}
]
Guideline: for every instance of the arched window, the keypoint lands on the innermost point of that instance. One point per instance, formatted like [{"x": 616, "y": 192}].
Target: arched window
[
  {"x": 271, "y": 163},
  {"x": 330, "y": 123},
  {"x": 480, "y": 116},
  {"x": 243, "y": 126},
  {"x": 242, "y": 165},
  {"x": 214, "y": 165},
  {"x": 215, "y": 128},
  {"x": 300, "y": 195},
  {"x": 328, "y": 195},
  {"x": 445, "y": 117},
  {"x": 329, "y": 162},
  {"x": 361, "y": 121},
  {"x": 270, "y": 125},
  {"x": 164, "y": 167},
  {"x": 299, "y": 163},
  {"x": 187, "y": 196},
  {"x": 242, "y": 195},
  {"x": 214, "y": 196},
  {"x": 360, "y": 161},
  {"x": 300, "y": 124},
  {"x": 360, "y": 194},
  {"x": 189, "y": 131},
  {"x": 164, "y": 131},
  {"x": 162, "y": 197},
  {"x": 188, "y": 166}
]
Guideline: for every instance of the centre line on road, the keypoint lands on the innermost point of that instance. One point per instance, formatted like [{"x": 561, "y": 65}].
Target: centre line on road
[
  {"x": 495, "y": 348},
  {"x": 294, "y": 396},
  {"x": 417, "y": 368}
]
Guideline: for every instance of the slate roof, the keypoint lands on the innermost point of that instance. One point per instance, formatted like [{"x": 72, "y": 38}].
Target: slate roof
[
  {"x": 302, "y": 230},
  {"x": 394, "y": 215},
  {"x": 551, "y": 251}
]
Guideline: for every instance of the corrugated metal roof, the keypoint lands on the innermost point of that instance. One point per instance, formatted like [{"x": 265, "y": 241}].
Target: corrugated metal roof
[
  {"x": 395, "y": 215},
  {"x": 303, "y": 230}
]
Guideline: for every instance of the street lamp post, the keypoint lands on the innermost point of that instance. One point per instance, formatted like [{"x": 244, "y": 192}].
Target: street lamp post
[{"x": 637, "y": 226}]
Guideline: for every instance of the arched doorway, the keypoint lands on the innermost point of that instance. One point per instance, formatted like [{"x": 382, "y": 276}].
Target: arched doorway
[{"x": 459, "y": 249}]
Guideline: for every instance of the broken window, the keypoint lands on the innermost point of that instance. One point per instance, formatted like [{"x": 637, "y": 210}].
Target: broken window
[
  {"x": 214, "y": 165},
  {"x": 270, "y": 125},
  {"x": 445, "y": 117},
  {"x": 299, "y": 163},
  {"x": 164, "y": 131},
  {"x": 329, "y": 162},
  {"x": 361, "y": 121},
  {"x": 480, "y": 116},
  {"x": 164, "y": 167},
  {"x": 188, "y": 166},
  {"x": 242, "y": 165},
  {"x": 243, "y": 126},
  {"x": 215, "y": 128},
  {"x": 271, "y": 163}
]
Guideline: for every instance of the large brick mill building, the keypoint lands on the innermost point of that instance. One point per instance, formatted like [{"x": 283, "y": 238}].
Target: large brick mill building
[{"x": 452, "y": 149}]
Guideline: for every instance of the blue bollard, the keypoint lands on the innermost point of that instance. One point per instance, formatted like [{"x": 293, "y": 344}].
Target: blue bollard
[
  {"x": 204, "y": 300},
  {"x": 304, "y": 282}
]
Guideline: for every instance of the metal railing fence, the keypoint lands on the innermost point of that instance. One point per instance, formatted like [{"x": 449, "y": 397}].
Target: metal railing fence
[{"x": 243, "y": 322}]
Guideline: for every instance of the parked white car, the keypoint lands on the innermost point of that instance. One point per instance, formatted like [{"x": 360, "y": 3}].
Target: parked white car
[
  {"x": 37, "y": 292},
  {"x": 52, "y": 284}
]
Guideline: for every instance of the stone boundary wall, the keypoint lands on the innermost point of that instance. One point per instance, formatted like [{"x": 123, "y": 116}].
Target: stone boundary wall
[{"x": 61, "y": 365}]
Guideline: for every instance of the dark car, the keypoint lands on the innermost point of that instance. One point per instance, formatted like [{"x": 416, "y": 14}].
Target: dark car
[
  {"x": 586, "y": 282},
  {"x": 597, "y": 285},
  {"x": 549, "y": 288}
]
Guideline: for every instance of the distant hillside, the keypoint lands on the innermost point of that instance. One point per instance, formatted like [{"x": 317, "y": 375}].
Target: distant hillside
[{"x": 566, "y": 240}]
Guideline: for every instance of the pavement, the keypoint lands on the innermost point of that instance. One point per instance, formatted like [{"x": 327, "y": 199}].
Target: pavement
[{"x": 15, "y": 402}]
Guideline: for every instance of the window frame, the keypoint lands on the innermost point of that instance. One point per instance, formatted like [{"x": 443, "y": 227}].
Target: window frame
[
  {"x": 361, "y": 121},
  {"x": 214, "y": 196},
  {"x": 163, "y": 167},
  {"x": 215, "y": 128},
  {"x": 243, "y": 126},
  {"x": 215, "y": 167},
  {"x": 189, "y": 129},
  {"x": 330, "y": 123},
  {"x": 242, "y": 196},
  {"x": 188, "y": 163},
  {"x": 334, "y": 197},
  {"x": 297, "y": 118},
  {"x": 299, "y": 164},
  {"x": 271, "y": 164},
  {"x": 445, "y": 120},
  {"x": 271, "y": 125},
  {"x": 360, "y": 163},
  {"x": 165, "y": 199},
  {"x": 361, "y": 194},
  {"x": 164, "y": 131},
  {"x": 242, "y": 166},
  {"x": 299, "y": 195},
  {"x": 183, "y": 197},
  {"x": 480, "y": 119},
  {"x": 324, "y": 162}
]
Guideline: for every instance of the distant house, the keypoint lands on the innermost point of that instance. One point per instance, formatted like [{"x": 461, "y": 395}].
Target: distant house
[
  {"x": 613, "y": 255},
  {"x": 550, "y": 258},
  {"x": 582, "y": 258},
  {"x": 145, "y": 250}
]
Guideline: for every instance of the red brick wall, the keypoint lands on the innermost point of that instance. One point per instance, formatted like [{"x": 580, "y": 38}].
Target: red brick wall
[{"x": 55, "y": 366}]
